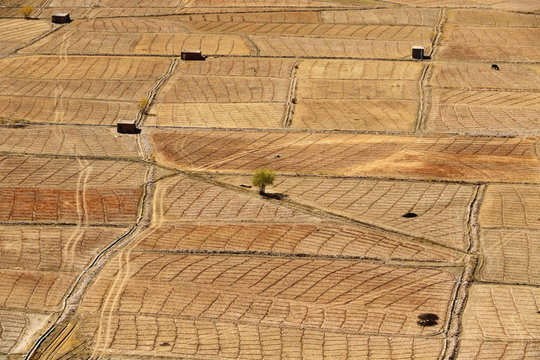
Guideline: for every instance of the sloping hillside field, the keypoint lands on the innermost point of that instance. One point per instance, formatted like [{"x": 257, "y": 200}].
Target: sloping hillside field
[{"x": 403, "y": 221}]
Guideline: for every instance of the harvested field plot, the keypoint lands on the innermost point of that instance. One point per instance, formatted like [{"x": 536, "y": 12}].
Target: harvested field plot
[
  {"x": 473, "y": 76},
  {"x": 111, "y": 206},
  {"x": 111, "y": 8},
  {"x": 477, "y": 100},
  {"x": 270, "y": 17},
  {"x": 78, "y": 90},
  {"x": 287, "y": 292},
  {"x": 59, "y": 248},
  {"x": 33, "y": 290},
  {"x": 167, "y": 36},
  {"x": 117, "y": 3},
  {"x": 142, "y": 3},
  {"x": 514, "y": 5},
  {"x": 68, "y": 140},
  {"x": 217, "y": 35},
  {"x": 18, "y": 3},
  {"x": 41, "y": 189},
  {"x": 487, "y": 350},
  {"x": 191, "y": 89},
  {"x": 351, "y": 89},
  {"x": 485, "y": 112},
  {"x": 511, "y": 206},
  {"x": 357, "y": 95},
  {"x": 441, "y": 209},
  {"x": 373, "y": 32},
  {"x": 314, "y": 239},
  {"x": 505, "y": 44},
  {"x": 238, "y": 68},
  {"x": 358, "y": 70},
  {"x": 186, "y": 199},
  {"x": 477, "y": 17},
  {"x": 375, "y": 16},
  {"x": 360, "y": 114},
  {"x": 502, "y": 312},
  {"x": 248, "y": 299},
  {"x": 262, "y": 3},
  {"x": 15, "y": 33},
  {"x": 97, "y": 12},
  {"x": 333, "y": 47},
  {"x": 395, "y": 16},
  {"x": 131, "y": 37},
  {"x": 47, "y": 260},
  {"x": 65, "y": 110},
  {"x": 211, "y": 339},
  {"x": 225, "y": 92},
  {"x": 20, "y": 330},
  {"x": 10, "y": 12},
  {"x": 46, "y": 172},
  {"x": 238, "y": 115},
  {"x": 84, "y": 68},
  {"x": 510, "y": 256},
  {"x": 134, "y": 25},
  {"x": 11, "y": 8},
  {"x": 462, "y": 158}
]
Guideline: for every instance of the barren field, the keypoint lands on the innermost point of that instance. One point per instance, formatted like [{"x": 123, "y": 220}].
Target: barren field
[
  {"x": 215, "y": 35},
  {"x": 444, "y": 157},
  {"x": 495, "y": 18},
  {"x": 325, "y": 239},
  {"x": 186, "y": 199},
  {"x": 99, "y": 142},
  {"x": 271, "y": 292},
  {"x": 500, "y": 36},
  {"x": 403, "y": 221},
  {"x": 226, "y": 92},
  {"x": 76, "y": 90},
  {"x": 485, "y": 112},
  {"x": 357, "y": 95},
  {"x": 136, "y": 36},
  {"x": 15, "y": 33},
  {"x": 477, "y": 100},
  {"x": 441, "y": 209},
  {"x": 507, "y": 312},
  {"x": 511, "y": 5},
  {"x": 511, "y": 206}
]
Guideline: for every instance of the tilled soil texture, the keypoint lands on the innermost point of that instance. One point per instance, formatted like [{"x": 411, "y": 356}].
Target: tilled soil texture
[{"x": 403, "y": 221}]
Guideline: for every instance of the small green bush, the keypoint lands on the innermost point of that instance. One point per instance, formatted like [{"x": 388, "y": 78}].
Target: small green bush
[
  {"x": 263, "y": 177},
  {"x": 143, "y": 103},
  {"x": 26, "y": 11}
]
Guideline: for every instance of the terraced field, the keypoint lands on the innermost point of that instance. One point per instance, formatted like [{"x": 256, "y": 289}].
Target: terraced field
[
  {"x": 76, "y": 90},
  {"x": 403, "y": 222},
  {"x": 225, "y": 92},
  {"x": 12, "y": 35},
  {"x": 355, "y": 95},
  {"x": 429, "y": 157},
  {"x": 325, "y": 239},
  {"x": 440, "y": 209}
]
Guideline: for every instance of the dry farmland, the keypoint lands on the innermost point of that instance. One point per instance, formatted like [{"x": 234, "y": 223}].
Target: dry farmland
[{"x": 403, "y": 221}]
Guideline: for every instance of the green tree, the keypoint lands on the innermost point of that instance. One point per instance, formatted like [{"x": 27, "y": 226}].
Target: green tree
[{"x": 263, "y": 177}]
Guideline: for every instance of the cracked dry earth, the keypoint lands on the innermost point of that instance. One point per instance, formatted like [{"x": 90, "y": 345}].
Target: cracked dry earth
[{"x": 404, "y": 187}]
